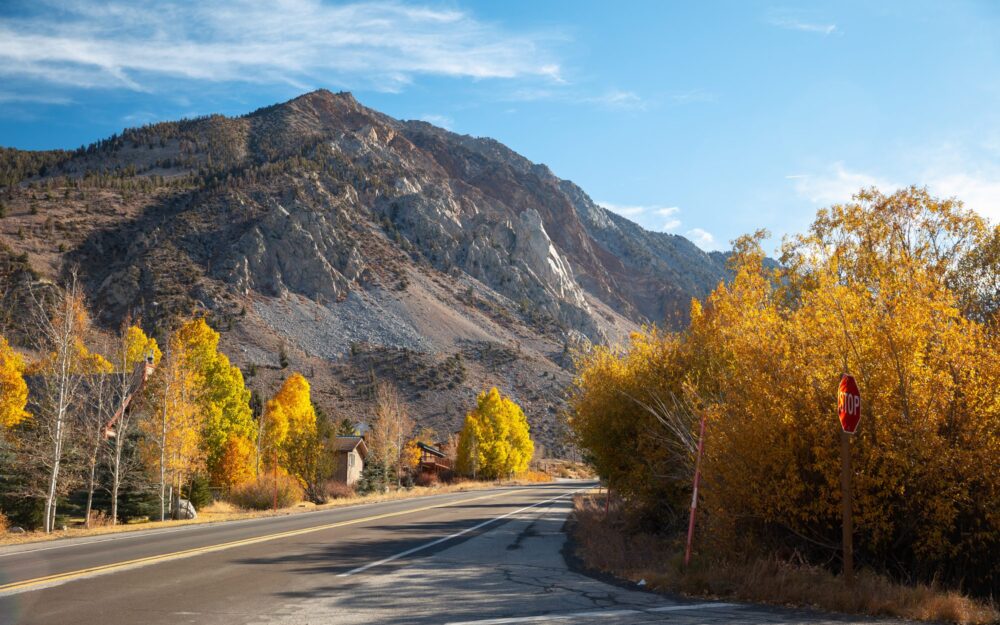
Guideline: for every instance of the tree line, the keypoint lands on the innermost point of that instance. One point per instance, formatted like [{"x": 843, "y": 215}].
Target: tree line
[
  {"x": 900, "y": 291},
  {"x": 137, "y": 423}
]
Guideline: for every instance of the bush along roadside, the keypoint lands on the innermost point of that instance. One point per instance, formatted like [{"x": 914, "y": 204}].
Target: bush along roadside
[{"x": 611, "y": 540}]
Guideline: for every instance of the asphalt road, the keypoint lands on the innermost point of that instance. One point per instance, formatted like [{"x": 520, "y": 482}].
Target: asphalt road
[{"x": 481, "y": 557}]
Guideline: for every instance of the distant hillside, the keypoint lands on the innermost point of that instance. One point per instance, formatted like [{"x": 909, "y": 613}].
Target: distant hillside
[{"x": 362, "y": 246}]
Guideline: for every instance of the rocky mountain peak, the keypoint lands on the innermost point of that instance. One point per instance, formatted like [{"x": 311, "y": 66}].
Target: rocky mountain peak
[{"x": 330, "y": 230}]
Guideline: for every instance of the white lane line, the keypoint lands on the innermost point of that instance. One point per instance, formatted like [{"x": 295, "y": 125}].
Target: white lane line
[
  {"x": 153, "y": 532},
  {"x": 602, "y": 614},
  {"x": 692, "y": 606},
  {"x": 433, "y": 543}
]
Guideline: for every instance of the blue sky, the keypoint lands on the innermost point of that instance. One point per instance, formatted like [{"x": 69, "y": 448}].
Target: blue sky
[{"x": 706, "y": 119}]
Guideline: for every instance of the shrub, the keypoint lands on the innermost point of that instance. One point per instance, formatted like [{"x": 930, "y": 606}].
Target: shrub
[
  {"x": 200, "y": 494},
  {"x": 606, "y": 542},
  {"x": 534, "y": 476},
  {"x": 24, "y": 512},
  {"x": 3, "y": 523},
  {"x": 259, "y": 494},
  {"x": 373, "y": 478},
  {"x": 138, "y": 503},
  {"x": 99, "y": 518},
  {"x": 427, "y": 480},
  {"x": 338, "y": 490},
  {"x": 885, "y": 287}
]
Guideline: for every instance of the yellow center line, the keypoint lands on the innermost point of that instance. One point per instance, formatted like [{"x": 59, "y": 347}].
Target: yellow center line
[{"x": 62, "y": 577}]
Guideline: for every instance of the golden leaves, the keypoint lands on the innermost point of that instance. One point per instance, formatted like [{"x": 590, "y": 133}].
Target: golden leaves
[
  {"x": 867, "y": 291},
  {"x": 13, "y": 389},
  {"x": 495, "y": 440}
]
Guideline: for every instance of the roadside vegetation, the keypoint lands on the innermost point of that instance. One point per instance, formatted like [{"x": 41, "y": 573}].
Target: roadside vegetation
[
  {"x": 902, "y": 291},
  {"x": 105, "y": 429},
  {"x": 608, "y": 541}
]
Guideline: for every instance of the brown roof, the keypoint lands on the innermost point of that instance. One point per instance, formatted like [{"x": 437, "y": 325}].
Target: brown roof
[{"x": 349, "y": 443}]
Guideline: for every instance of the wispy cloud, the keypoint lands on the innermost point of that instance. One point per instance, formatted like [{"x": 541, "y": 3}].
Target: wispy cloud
[
  {"x": 634, "y": 210},
  {"x": 789, "y": 23},
  {"x": 439, "y": 120},
  {"x": 625, "y": 210},
  {"x": 648, "y": 214},
  {"x": 836, "y": 184},
  {"x": 617, "y": 99},
  {"x": 976, "y": 185},
  {"x": 567, "y": 94},
  {"x": 702, "y": 238},
  {"x": 303, "y": 43},
  {"x": 33, "y": 98}
]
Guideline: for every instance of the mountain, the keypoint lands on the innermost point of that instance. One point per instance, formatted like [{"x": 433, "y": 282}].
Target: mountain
[{"x": 357, "y": 246}]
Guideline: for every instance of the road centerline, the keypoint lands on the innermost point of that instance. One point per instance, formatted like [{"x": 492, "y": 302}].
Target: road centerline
[{"x": 61, "y": 578}]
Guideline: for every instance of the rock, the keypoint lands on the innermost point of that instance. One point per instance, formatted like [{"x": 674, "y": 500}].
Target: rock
[
  {"x": 15, "y": 530},
  {"x": 185, "y": 510}
]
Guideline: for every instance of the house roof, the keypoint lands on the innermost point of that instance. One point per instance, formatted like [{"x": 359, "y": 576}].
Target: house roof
[
  {"x": 350, "y": 443},
  {"x": 434, "y": 451}
]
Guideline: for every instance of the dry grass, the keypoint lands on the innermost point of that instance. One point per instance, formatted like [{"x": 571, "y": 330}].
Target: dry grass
[
  {"x": 603, "y": 546},
  {"x": 534, "y": 477},
  {"x": 224, "y": 511},
  {"x": 566, "y": 469}
]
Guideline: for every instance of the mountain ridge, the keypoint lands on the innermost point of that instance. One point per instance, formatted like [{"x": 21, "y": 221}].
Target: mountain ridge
[{"x": 352, "y": 241}]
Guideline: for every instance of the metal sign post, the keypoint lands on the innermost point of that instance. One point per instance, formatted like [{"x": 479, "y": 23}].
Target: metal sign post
[
  {"x": 849, "y": 411},
  {"x": 848, "y": 496}
]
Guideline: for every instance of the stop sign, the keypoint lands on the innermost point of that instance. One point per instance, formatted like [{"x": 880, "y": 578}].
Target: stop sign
[{"x": 849, "y": 403}]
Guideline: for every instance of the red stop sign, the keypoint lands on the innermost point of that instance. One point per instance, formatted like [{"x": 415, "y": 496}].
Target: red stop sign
[{"x": 849, "y": 403}]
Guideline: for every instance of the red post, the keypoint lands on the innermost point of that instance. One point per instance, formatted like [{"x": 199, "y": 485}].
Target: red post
[
  {"x": 694, "y": 492},
  {"x": 275, "y": 480}
]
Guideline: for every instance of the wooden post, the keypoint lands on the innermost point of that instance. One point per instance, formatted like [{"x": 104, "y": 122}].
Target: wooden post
[
  {"x": 694, "y": 492},
  {"x": 847, "y": 496}
]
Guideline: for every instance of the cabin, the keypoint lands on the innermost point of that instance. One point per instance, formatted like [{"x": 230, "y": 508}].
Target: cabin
[
  {"x": 432, "y": 459},
  {"x": 351, "y": 453}
]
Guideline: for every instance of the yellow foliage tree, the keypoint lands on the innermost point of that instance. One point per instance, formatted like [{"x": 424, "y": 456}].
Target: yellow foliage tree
[
  {"x": 289, "y": 422},
  {"x": 13, "y": 389},
  {"x": 411, "y": 452},
  {"x": 173, "y": 435},
  {"x": 138, "y": 347},
  {"x": 495, "y": 441},
  {"x": 222, "y": 397},
  {"x": 236, "y": 462},
  {"x": 877, "y": 288}
]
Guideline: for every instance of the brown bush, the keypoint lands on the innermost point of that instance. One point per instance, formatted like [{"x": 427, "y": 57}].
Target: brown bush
[
  {"x": 260, "y": 493},
  {"x": 99, "y": 518},
  {"x": 4, "y": 523},
  {"x": 426, "y": 479},
  {"x": 338, "y": 490},
  {"x": 606, "y": 543}
]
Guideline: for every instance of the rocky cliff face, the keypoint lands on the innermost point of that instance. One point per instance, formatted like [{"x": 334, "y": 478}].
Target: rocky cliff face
[{"x": 346, "y": 238}]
